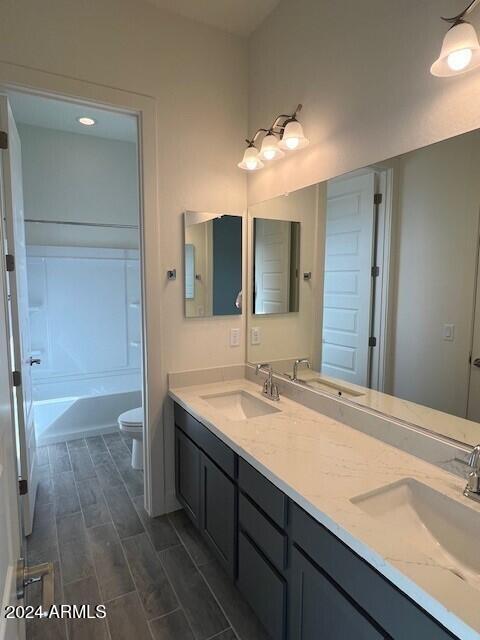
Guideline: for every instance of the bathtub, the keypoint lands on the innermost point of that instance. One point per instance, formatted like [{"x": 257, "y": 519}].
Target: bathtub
[{"x": 78, "y": 409}]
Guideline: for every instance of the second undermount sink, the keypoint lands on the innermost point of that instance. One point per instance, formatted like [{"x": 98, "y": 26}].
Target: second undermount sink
[
  {"x": 239, "y": 405},
  {"x": 441, "y": 528}
]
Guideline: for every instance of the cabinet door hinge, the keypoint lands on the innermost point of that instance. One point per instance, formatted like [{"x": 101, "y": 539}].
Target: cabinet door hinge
[
  {"x": 17, "y": 378},
  {"x": 3, "y": 140},
  {"x": 378, "y": 198},
  {"x": 22, "y": 486},
  {"x": 10, "y": 262},
  {"x": 372, "y": 342},
  {"x": 375, "y": 272}
]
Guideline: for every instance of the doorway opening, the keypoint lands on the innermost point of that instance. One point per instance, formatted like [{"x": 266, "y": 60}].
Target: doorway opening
[{"x": 76, "y": 292}]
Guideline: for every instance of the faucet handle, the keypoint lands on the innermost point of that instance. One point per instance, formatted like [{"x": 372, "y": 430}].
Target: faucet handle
[{"x": 474, "y": 458}]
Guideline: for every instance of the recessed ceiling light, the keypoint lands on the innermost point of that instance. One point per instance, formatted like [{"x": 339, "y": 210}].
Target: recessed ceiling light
[{"x": 87, "y": 122}]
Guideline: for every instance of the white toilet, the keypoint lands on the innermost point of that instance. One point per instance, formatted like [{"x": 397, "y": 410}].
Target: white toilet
[{"x": 131, "y": 424}]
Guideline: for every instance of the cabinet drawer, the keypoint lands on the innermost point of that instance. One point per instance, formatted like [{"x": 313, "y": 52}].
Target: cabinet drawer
[
  {"x": 390, "y": 608},
  {"x": 262, "y": 587},
  {"x": 206, "y": 440},
  {"x": 263, "y": 492},
  {"x": 271, "y": 541}
]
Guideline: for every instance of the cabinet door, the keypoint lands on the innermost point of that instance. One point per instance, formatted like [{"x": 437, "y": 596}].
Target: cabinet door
[
  {"x": 319, "y": 611},
  {"x": 187, "y": 475},
  {"x": 218, "y": 507}
]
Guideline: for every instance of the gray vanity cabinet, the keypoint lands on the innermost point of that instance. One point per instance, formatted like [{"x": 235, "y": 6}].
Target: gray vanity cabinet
[
  {"x": 187, "y": 475},
  {"x": 218, "y": 508},
  {"x": 319, "y": 610},
  {"x": 204, "y": 488},
  {"x": 302, "y": 581}
]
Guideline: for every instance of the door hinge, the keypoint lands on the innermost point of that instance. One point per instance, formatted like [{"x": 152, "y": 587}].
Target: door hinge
[
  {"x": 22, "y": 486},
  {"x": 372, "y": 342},
  {"x": 375, "y": 272},
  {"x": 3, "y": 140},
  {"x": 378, "y": 198},
  {"x": 17, "y": 378},
  {"x": 10, "y": 262}
]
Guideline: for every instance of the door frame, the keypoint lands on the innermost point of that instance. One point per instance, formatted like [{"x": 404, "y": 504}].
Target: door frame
[{"x": 26, "y": 80}]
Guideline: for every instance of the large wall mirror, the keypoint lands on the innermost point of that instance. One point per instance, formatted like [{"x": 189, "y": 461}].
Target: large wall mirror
[
  {"x": 212, "y": 264},
  {"x": 391, "y": 316}
]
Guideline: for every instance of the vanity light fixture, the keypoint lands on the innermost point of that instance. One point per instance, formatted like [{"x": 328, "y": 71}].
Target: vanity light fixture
[
  {"x": 285, "y": 135},
  {"x": 460, "y": 49},
  {"x": 86, "y": 121}
]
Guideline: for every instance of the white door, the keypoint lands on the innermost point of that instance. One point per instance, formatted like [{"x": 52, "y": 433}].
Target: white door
[
  {"x": 349, "y": 238},
  {"x": 272, "y": 266},
  {"x": 13, "y": 220},
  {"x": 10, "y": 546},
  {"x": 473, "y": 409}
]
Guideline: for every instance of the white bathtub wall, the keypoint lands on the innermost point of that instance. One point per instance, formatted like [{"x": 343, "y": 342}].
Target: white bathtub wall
[{"x": 85, "y": 318}]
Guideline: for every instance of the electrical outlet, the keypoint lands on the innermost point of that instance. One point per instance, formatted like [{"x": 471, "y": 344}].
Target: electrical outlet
[
  {"x": 234, "y": 337},
  {"x": 255, "y": 335}
]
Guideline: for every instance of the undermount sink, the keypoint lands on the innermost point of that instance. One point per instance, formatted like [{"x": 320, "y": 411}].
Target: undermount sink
[
  {"x": 239, "y": 405},
  {"x": 443, "y": 529},
  {"x": 329, "y": 385}
]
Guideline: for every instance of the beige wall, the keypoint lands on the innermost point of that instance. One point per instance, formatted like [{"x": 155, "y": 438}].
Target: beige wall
[
  {"x": 361, "y": 70},
  {"x": 291, "y": 335},
  {"x": 436, "y": 249}
]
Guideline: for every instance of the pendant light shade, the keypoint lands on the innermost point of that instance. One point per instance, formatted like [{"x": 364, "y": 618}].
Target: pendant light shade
[
  {"x": 251, "y": 160},
  {"x": 460, "y": 51},
  {"x": 293, "y": 137},
  {"x": 270, "y": 149}
]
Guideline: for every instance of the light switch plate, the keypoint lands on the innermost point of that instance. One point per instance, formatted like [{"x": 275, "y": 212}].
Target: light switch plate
[
  {"x": 449, "y": 332},
  {"x": 234, "y": 337},
  {"x": 255, "y": 335}
]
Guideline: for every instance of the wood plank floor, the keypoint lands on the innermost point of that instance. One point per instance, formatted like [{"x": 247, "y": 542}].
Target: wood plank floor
[{"x": 156, "y": 577}]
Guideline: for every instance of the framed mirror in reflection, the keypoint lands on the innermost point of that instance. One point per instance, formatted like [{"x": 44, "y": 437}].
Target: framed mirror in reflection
[
  {"x": 212, "y": 264},
  {"x": 392, "y": 319},
  {"x": 276, "y": 266}
]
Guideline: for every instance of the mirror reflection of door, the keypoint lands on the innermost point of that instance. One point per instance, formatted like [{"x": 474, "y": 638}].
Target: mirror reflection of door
[
  {"x": 276, "y": 270},
  {"x": 347, "y": 307}
]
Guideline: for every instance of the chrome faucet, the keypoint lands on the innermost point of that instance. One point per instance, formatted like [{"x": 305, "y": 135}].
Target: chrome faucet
[
  {"x": 297, "y": 363},
  {"x": 472, "y": 490},
  {"x": 270, "y": 388}
]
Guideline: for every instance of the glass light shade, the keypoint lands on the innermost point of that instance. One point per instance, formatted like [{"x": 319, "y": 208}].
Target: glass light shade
[
  {"x": 460, "y": 51},
  {"x": 251, "y": 160},
  {"x": 270, "y": 149},
  {"x": 293, "y": 137},
  {"x": 87, "y": 121}
]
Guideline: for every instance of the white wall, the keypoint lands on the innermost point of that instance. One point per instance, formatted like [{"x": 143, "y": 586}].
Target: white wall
[
  {"x": 73, "y": 177},
  {"x": 361, "y": 70},
  {"x": 436, "y": 221},
  {"x": 197, "y": 76}
]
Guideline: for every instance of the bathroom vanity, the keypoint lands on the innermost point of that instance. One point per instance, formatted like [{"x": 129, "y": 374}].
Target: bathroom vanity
[{"x": 316, "y": 523}]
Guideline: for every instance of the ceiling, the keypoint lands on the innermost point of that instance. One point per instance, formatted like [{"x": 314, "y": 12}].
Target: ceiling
[
  {"x": 236, "y": 16},
  {"x": 57, "y": 114}
]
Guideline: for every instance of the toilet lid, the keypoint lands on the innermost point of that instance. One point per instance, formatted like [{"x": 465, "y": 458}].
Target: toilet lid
[{"x": 132, "y": 418}]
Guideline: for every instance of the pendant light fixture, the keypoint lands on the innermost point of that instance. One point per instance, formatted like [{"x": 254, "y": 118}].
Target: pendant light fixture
[
  {"x": 460, "y": 49},
  {"x": 285, "y": 135}
]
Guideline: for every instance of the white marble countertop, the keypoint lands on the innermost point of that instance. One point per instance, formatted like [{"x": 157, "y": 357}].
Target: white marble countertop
[{"x": 321, "y": 464}]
